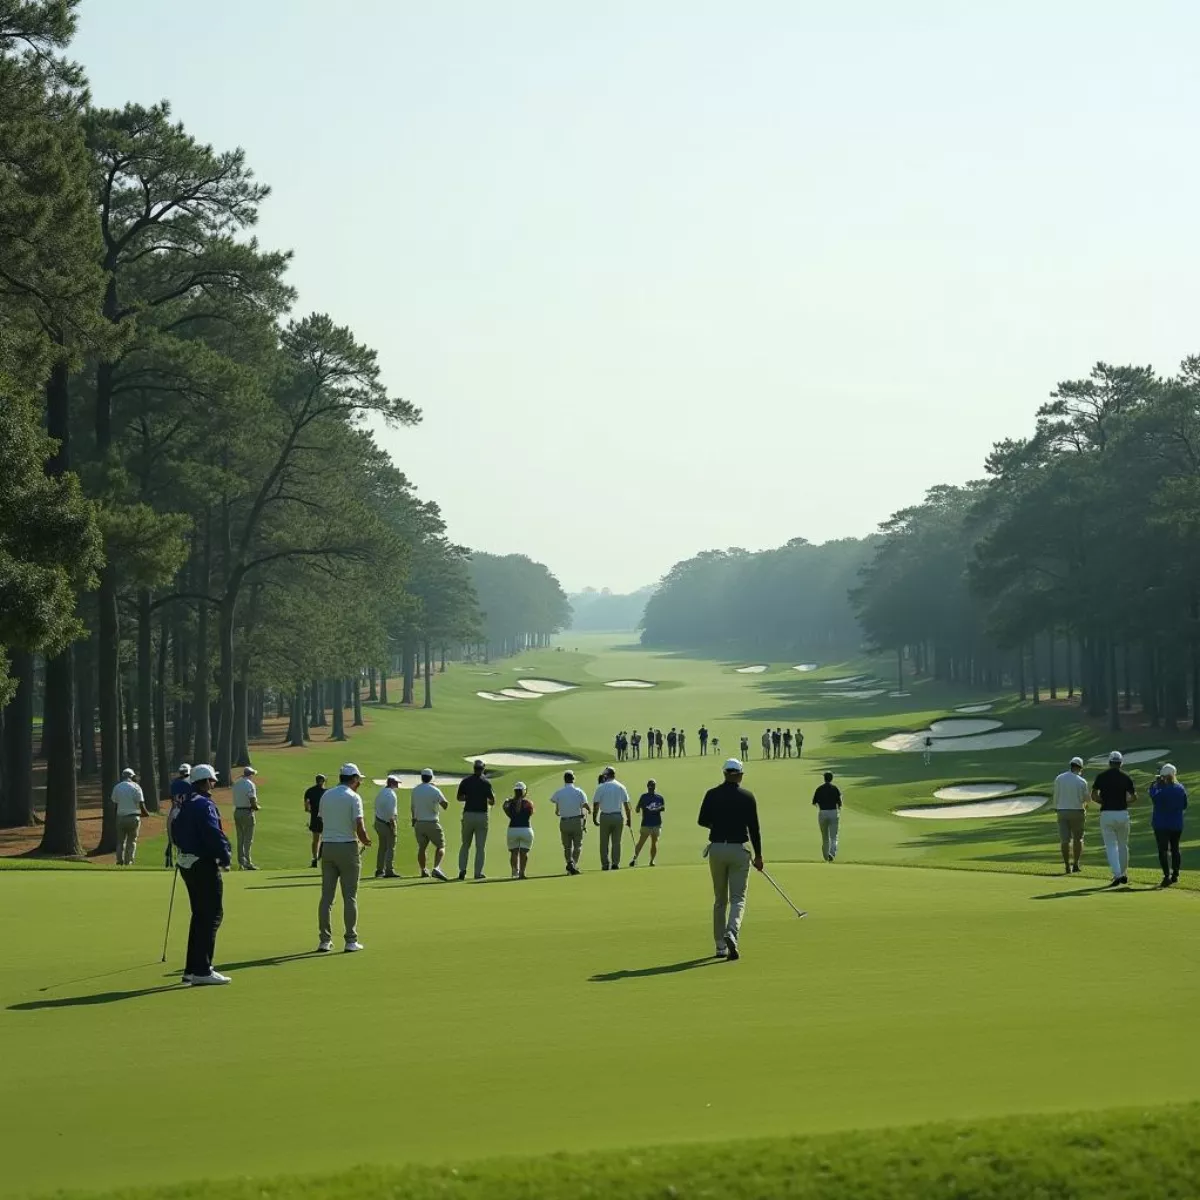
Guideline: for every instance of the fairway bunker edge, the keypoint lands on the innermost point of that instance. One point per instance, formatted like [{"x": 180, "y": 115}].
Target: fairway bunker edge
[{"x": 517, "y": 757}]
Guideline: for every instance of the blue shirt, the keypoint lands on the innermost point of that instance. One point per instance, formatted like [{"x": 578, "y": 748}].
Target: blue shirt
[
  {"x": 651, "y": 807},
  {"x": 1169, "y": 800},
  {"x": 197, "y": 830}
]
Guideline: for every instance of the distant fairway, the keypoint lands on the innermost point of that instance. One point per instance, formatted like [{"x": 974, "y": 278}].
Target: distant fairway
[{"x": 587, "y": 1006}]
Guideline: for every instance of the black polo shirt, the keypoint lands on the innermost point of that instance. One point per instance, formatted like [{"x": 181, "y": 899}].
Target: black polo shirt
[
  {"x": 730, "y": 814},
  {"x": 1114, "y": 788},
  {"x": 827, "y": 797},
  {"x": 313, "y": 799},
  {"x": 476, "y": 792}
]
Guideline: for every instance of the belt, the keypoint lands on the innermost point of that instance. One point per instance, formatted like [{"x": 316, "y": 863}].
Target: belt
[
  {"x": 727, "y": 842},
  {"x": 242, "y": 808}
]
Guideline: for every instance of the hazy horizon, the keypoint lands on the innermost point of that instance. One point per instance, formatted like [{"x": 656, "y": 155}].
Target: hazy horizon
[{"x": 691, "y": 280}]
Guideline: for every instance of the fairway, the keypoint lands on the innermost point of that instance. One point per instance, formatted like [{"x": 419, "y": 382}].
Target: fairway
[{"x": 591, "y": 1007}]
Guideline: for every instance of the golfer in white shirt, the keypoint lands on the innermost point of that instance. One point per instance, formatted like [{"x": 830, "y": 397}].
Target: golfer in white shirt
[
  {"x": 571, "y": 804},
  {"x": 245, "y": 805},
  {"x": 1070, "y": 797},
  {"x": 426, "y": 806},
  {"x": 342, "y": 818},
  {"x": 387, "y": 809},
  {"x": 131, "y": 807},
  {"x": 611, "y": 812}
]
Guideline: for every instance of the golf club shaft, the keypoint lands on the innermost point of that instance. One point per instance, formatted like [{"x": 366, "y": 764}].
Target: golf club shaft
[
  {"x": 787, "y": 900},
  {"x": 170, "y": 910}
]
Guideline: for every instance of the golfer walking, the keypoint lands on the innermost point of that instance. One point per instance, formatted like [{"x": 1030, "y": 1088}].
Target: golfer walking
[
  {"x": 1070, "y": 797},
  {"x": 610, "y": 811},
  {"x": 1170, "y": 799},
  {"x": 518, "y": 808},
  {"x": 245, "y": 806},
  {"x": 1113, "y": 790},
  {"x": 387, "y": 809},
  {"x": 828, "y": 801},
  {"x": 312, "y": 806},
  {"x": 131, "y": 807},
  {"x": 730, "y": 814},
  {"x": 426, "y": 804},
  {"x": 651, "y": 805},
  {"x": 341, "y": 861},
  {"x": 203, "y": 853},
  {"x": 477, "y": 798},
  {"x": 571, "y": 804}
]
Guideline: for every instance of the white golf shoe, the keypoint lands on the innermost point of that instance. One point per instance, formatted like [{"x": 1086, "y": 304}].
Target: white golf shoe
[
  {"x": 351, "y": 947},
  {"x": 210, "y": 980}
]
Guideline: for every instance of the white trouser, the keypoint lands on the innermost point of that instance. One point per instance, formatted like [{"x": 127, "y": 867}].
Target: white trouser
[{"x": 1114, "y": 829}]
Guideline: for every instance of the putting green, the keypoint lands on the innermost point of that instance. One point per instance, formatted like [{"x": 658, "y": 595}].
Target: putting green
[{"x": 906, "y": 995}]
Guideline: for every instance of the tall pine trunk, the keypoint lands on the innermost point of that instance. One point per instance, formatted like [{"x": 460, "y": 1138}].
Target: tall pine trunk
[
  {"x": 146, "y": 766},
  {"x": 241, "y": 723},
  {"x": 339, "y": 716},
  {"x": 16, "y": 794},
  {"x": 410, "y": 657},
  {"x": 383, "y": 699},
  {"x": 60, "y": 832},
  {"x": 160, "y": 709},
  {"x": 373, "y": 690},
  {"x": 428, "y": 673},
  {"x": 202, "y": 729},
  {"x": 85, "y": 706},
  {"x": 356, "y": 689}
]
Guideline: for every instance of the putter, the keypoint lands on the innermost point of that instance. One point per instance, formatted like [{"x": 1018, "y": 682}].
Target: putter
[
  {"x": 170, "y": 910},
  {"x": 797, "y": 911}
]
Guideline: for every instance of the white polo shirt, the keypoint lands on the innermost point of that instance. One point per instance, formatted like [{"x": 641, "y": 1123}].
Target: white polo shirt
[
  {"x": 426, "y": 802},
  {"x": 610, "y": 797},
  {"x": 387, "y": 804},
  {"x": 569, "y": 801},
  {"x": 127, "y": 796},
  {"x": 341, "y": 808},
  {"x": 245, "y": 794},
  {"x": 1070, "y": 792}
]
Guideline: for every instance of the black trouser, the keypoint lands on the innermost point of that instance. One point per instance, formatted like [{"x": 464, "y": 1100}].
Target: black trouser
[
  {"x": 1168, "y": 839},
  {"x": 204, "y": 885}
]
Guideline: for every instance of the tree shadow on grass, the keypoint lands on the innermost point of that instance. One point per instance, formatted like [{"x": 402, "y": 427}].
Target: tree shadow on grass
[
  {"x": 1097, "y": 891},
  {"x": 645, "y": 972}
]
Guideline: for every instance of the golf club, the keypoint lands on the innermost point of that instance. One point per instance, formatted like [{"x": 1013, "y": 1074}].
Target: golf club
[
  {"x": 170, "y": 910},
  {"x": 797, "y": 911}
]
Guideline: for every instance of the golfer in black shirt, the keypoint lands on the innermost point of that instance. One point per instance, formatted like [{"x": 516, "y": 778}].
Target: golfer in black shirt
[
  {"x": 1113, "y": 790},
  {"x": 312, "y": 806},
  {"x": 828, "y": 799},
  {"x": 730, "y": 814},
  {"x": 477, "y": 798}
]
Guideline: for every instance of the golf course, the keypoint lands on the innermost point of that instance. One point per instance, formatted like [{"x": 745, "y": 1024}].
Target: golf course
[{"x": 561, "y": 1036}]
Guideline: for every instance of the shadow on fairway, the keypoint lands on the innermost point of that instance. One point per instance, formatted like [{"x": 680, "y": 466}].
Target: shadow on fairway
[
  {"x": 95, "y": 998},
  {"x": 1127, "y": 890},
  {"x": 668, "y": 969}
]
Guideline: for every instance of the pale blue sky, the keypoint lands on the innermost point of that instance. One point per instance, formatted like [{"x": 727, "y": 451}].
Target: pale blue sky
[{"x": 666, "y": 276}]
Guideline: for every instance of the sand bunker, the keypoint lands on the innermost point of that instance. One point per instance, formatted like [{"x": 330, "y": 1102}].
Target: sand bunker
[
  {"x": 630, "y": 683},
  {"x": 854, "y": 694},
  {"x": 756, "y": 670},
  {"x": 493, "y": 696},
  {"x": 1001, "y": 739},
  {"x": 899, "y": 695},
  {"x": 975, "y": 791},
  {"x": 546, "y": 687},
  {"x": 849, "y": 679},
  {"x": 974, "y": 708},
  {"x": 523, "y": 758},
  {"x": 410, "y": 779},
  {"x": 1011, "y": 806},
  {"x": 520, "y": 694},
  {"x": 805, "y": 667},
  {"x": 957, "y": 727},
  {"x": 1131, "y": 756}
]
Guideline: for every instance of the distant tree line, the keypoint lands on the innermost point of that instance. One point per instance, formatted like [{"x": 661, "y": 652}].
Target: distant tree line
[
  {"x": 604, "y": 611},
  {"x": 522, "y": 603},
  {"x": 789, "y": 602}
]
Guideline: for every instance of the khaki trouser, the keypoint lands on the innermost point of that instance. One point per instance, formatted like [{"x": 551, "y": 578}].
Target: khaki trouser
[
  {"x": 243, "y": 820},
  {"x": 474, "y": 828},
  {"x": 429, "y": 833},
  {"x": 340, "y": 864},
  {"x": 829, "y": 819},
  {"x": 611, "y": 825},
  {"x": 127, "y": 836},
  {"x": 571, "y": 829},
  {"x": 730, "y": 868},
  {"x": 385, "y": 856}
]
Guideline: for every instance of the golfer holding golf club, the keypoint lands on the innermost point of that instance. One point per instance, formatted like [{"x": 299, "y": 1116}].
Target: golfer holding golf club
[
  {"x": 730, "y": 814},
  {"x": 341, "y": 860}
]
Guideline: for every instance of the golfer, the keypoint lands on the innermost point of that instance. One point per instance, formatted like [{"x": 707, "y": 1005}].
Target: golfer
[
  {"x": 1113, "y": 790},
  {"x": 571, "y": 804},
  {"x": 730, "y": 814},
  {"x": 703, "y": 736},
  {"x": 650, "y": 804},
  {"x": 681, "y": 745},
  {"x": 131, "y": 807},
  {"x": 312, "y": 806},
  {"x": 745, "y": 746},
  {"x": 766, "y": 743},
  {"x": 828, "y": 801},
  {"x": 245, "y": 805},
  {"x": 518, "y": 808},
  {"x": 476, "y": 796},
  {"x": 203, "y": 853},
  {"x": 799, "y": 743},
  {"x": 425, "y": 805},
  {"x": 1170, "y": 799},
  {"x": 1070, "y": 797},
  {"x": 180, "y": 790},
  {"x": 928, "y": 748},
  {"x": 387, "y": 809},
  {"x": 609, "y": 802},
  {"x": 341, "y": 861}
]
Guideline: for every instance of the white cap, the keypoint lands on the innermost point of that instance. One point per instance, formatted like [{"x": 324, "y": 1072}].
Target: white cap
[
  {"x": 519, "y": 787},
  {"x": 1116, "y": 757},
  {"x": 128, "y": 773},
  {"x": 426, "y": 774},
  {"x": 248, "y": 771},
  {"x": 1168, "y": 769},
  {"x": 202, "y": 771},
  {"x": 732, "y": 764},
  {"x": 184, "y": 769},
  {"x": 393, "y": 778},
  {"x": 1077, "y": 761},
  {"x": 349, "y": 769}
]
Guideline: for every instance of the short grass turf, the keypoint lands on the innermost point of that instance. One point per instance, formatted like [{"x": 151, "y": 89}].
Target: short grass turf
[{"x": 587, "y": 1009}]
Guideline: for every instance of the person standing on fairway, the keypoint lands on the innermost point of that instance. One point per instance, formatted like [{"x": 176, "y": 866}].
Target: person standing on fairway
[
  {"x": 1113, "y": 790},
  {"x": 1070, "y": 797},
  {"x": 635, "y": 740},
  {"x": 476, "y": 796},
  {"x": 1170, "y": 799},
  {"x": 928, "y": 750},
  {"x": 658, "y": 741},
  {"x": 799, "y": 742},
  {"x": 204, "y": 853},
  {"x": 312, "y": 806},
  {"x": 426, "y": 805},
  {"x": 775, "y": 739},
  {"x": 518, "y": 808},
  {"x": 245, "y": 806},
  {"x": 609, "y": 802},
  {"x": 766, "y": 743},
  {"x": 650, "y": 805},
  {"x": 730, "y": 814},
  {"x": 571, "y": 804},
  {"x": 745, "y": 746},
  {"x": 672, "y": 738},
  {"x": 828, "y": 801},
  {"x": 787, "y": 743},
  {"x": 181, "y": 789},
  {"x": 681, "y": 745},
  {"x": 387, "y": 812},
  {"x": 131, "y": 807},
  {"x": 703, "y": 736},
  {"x": 341, "y": 860}
]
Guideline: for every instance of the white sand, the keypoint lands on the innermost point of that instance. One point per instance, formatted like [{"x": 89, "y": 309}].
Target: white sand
[
  {"x": 805, "y": 667},
  {"x": 493, "y": 696},
  {"x": 974, "y": 708},
  {"x": 957, "y": 727},
  {"x": 1001, "y": 739},
  {"x": 410, "y": 779},
  {"x": 526, "y": 758},
  {"x": 630, "y": 683},
  {"x": 899, "y": 695},
  {"x": 756, "y": 670},
  {"x": 1012, "y": 806},
  {"x": 1132, "y": 756},
  {"x": 520, "y": 694},
  {"x": 849, "y": 679},
  {"x": 974, "y": 791},
  {"x": 545, "y": 687},
  {"x": 485, "y": 672},
  {"x": 854, "y": 694}
]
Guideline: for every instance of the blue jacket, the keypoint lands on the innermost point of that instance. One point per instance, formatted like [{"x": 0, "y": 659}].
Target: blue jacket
[
  {"x": 197, "y": 830},
  {"x": 1169, "y": 800}
]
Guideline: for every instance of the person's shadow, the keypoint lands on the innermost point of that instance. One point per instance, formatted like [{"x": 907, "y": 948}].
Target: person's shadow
[{"x": 645, "y": 972}]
